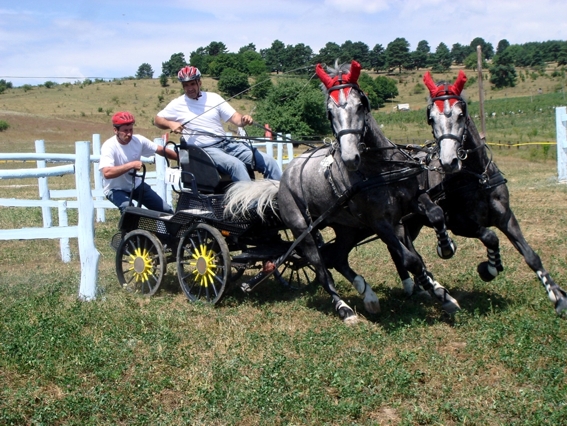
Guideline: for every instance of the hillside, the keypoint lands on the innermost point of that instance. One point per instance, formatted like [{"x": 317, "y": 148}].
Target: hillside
[{"x": 67, "y": 113}]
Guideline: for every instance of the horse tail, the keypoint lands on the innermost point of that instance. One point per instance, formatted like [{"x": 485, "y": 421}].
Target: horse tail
[{"x": 244, "y": 196}]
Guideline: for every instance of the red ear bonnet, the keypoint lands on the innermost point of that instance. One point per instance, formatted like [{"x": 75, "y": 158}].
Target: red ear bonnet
[
  {"x": 351, "y": 77},
  {"x": 454, "y": 89}
]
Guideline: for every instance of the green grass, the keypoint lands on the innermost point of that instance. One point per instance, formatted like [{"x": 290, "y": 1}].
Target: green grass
[{"x": 281, "y": 357}]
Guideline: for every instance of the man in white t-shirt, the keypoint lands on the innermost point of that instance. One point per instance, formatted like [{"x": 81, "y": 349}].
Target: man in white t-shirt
[
  {"x": 199, "y": 116},
  {"x": 121, "y": 154}
]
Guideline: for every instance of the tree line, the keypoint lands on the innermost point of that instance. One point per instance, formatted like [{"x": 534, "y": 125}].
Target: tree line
[
  {"x": 296, "y": 107},
  {"x": 233, "y": 69}
]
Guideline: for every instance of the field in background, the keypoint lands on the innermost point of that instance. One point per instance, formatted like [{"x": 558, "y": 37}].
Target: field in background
[{"x": 64, "y": 114}]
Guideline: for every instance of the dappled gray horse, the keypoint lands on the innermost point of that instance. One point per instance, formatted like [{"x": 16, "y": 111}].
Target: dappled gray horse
[
  {"x": 361, "y": 185},
  {"x": 470, "y": 188}
]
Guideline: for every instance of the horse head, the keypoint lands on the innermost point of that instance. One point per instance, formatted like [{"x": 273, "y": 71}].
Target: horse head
[
  {"x": 447, "y": 115},
  {"x": 347, "y": 107}
]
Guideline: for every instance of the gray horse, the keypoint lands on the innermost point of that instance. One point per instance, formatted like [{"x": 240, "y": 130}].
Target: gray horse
[
  {"x": 470, "y": 188},
  {"x": 360, "y": 186}
]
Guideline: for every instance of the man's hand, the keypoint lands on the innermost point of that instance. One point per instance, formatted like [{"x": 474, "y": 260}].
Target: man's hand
[{"x": 246, "y": 120}]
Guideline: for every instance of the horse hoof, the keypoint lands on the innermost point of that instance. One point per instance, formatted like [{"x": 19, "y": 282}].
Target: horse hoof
[
  {"x": 451, "y": 307},
  {"x": 372, "y": 306},
  {"x": 352, "y": 320},
  {"x": 448, "y": 251},
  {"x": 345, "y": 311},
  {"x": 486, "y": 272},
  {"x": 561, "y": 306},
  {"x": 409, "y": 286}
]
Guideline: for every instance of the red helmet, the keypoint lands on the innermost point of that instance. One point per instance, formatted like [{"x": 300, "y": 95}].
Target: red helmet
[
  {"x": 189, "y": 73},
  {"x": 122, "y": 117}
]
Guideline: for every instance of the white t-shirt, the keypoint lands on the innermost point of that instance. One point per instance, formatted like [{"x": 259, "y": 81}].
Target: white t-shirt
[
  {"x": 113, "y": 153},
  {"x": 202, "y": 118}
]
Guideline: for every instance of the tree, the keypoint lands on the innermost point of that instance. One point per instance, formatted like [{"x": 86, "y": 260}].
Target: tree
[
  {"x": 5, "y": 85},
  {"x": 274, "y": 56},
  {"x": 358, "y": 51},
  {"x": 297, "y": 56},
  {"x": 233, "y": 82},
  {"x": 328, "y": 54},
  {"x": 262, "y": 86},
  {"x": 386, "y": 87},
  {"x": 367, "y": 85},
  {"x": 145, "y": 71},
  {"x": 459, "y": 53},
  {"x": 502, "y": 72},
  {"x": 292, "y": 106},
  {"x": 163, "y": 80},
  {"x": 227, "y": 60},
  {"x": 200, "y": 59},
  {"x": 250, "y": 47},
  {"x": 175, "y": 63},
  {"x": 486, "y": 48},
  {"x": 397, "y": 53},
  {"x": 441, "y": 60},
  {"x": 471, "y": 62},
  {"x": 502, "y": 46},
  {"x": 421, "y": 54},
  {"x": 216, "y": 48},
  {"x": 377, "y": 57}
]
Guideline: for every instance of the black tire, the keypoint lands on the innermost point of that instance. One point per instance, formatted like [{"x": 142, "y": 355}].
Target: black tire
[
  {"x": 203, "y": 264},
  {"x": 296, "y": 272},
  {"x": 140, "y": 262}
]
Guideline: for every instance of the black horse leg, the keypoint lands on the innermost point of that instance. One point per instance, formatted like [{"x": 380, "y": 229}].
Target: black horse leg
[
  {"x": 413, "y": 262},
  {"x": 555, "y": 293},
  {"x": 446, "y": 247}
]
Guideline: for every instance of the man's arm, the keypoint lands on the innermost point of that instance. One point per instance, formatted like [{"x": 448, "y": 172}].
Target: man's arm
[
  {"x": 166, "y": 152},
  {"x": 112, "y": 172},
  {"x": 164, "y": 124},
  {"x": 240, "y": 120}
]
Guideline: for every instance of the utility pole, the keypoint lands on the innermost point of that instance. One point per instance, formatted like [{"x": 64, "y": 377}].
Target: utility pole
[{"x": 480, "y": 92}]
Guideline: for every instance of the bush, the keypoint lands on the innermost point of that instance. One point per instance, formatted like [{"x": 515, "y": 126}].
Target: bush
[
  {"x": 233, "y": 82},
  {"x": 3, "y": 125}
]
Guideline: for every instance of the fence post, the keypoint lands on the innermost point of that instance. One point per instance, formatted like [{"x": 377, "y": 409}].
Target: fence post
[
  {"x": 87, "y": 249},
  {"x": 43, "y": 186},
  {"x": 161, "y": 165},
  {"x": 561, "y": 127},
  {"x": 63, "y": 221},
  {"x": 100, "y": 212}
]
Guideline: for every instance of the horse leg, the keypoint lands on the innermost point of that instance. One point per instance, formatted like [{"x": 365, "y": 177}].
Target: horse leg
[
  {"x": 336, "y": 256},
  {"x": 424, "y": 279},
  {"x": 512, "y": 230},
  {"x": 446, "y": 247}
]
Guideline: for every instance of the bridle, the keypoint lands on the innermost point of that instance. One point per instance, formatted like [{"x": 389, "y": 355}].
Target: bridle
[
  {"x": 462, "y": 153},
  {"x": 347, "y": 131}
]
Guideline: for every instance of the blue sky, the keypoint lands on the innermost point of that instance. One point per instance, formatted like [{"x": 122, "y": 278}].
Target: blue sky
[{"x": 111, "y": 39}]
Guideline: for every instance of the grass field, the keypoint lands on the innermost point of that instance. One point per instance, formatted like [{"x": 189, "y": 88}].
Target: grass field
[
  {"x": 278, "y": 356},
  {"x": 281, "y": 357}
]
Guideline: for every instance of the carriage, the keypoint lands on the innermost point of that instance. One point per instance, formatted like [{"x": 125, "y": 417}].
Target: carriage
[{"x": 211, "y": 251}]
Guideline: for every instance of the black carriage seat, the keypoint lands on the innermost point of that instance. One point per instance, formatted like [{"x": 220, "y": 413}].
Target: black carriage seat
[{"x": 198, "y": 167}]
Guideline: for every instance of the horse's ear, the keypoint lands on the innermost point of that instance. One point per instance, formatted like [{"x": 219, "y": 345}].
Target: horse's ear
[
  {"x": 323, "y": 76},
  {"x": 354, "y": 72},
  {"x": 429, "y": 83},
  {"x": 459, "y": 84}
]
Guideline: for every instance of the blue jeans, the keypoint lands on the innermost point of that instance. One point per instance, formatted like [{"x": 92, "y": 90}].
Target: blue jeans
[
  {"x": 231, "y": 158},
  {"x": 150, "y": 200}
]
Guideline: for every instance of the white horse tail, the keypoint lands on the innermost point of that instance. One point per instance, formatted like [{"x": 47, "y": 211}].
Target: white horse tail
[{"x": 243, "y": 196}]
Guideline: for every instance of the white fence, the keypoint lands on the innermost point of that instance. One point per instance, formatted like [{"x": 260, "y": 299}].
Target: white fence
[
  {"x": 561, "y": 127},
  {"x": 86, "y": 199}
]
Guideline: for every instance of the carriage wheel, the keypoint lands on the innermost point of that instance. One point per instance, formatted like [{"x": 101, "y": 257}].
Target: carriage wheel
[
  {"x": 296, "y": 272},
  {"x": 203, "y": 264},
  {"x": 140, "y": 262}
]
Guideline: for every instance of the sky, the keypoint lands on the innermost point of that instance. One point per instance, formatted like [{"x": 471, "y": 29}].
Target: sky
[{"x": 43, "y": 40}]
